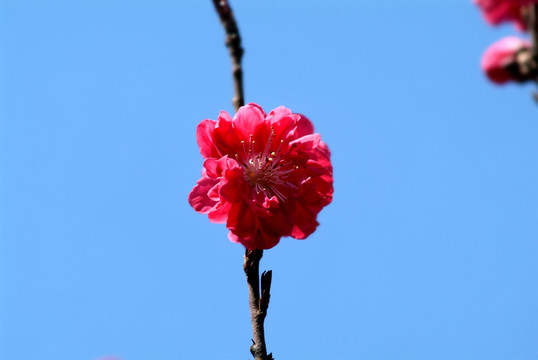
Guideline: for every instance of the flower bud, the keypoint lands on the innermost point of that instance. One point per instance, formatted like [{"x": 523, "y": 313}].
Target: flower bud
[
  {"x": 499, "y": 11},
  {"x": 500, "y": 60}
]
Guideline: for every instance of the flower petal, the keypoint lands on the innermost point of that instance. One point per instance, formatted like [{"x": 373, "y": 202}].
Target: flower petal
[
  {"x": 261, "y": 241},
  {"x": 304, "y": 126},
  {"x": 225, "y": 135},
  {"x": 198, "y": 197},
  {"x": 277, "y": 114},
  {"x": 247, "y": 119},
  {"x": 304, "y": 223},
  {"x": 219, "y": 214},
  {"x": 204, "y": 138},
  {"x": 234, "y": 187}
]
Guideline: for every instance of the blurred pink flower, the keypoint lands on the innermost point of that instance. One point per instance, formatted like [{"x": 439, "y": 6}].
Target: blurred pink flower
[
  {"x": 265, "y": 175},
  {"x": 498, "y": 11},
  {"x": 499, "y": 55}
]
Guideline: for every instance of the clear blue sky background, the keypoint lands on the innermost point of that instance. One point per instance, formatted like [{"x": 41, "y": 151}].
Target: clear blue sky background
[{"x": 429, "y": 250}]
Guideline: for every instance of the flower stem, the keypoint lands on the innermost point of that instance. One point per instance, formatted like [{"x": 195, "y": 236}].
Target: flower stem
[
  {"x": 258, "y": 303},
  {"x": 233, "y": 43}
]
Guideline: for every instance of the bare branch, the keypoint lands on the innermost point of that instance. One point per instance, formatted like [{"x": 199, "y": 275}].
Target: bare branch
[
  {"x": 233, "y": 42},
  {"x": 258, "y": 304}
]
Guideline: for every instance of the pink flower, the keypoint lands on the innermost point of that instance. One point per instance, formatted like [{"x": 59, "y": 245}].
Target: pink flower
[
  {"x": 498, "y": 11},
  {"x": 265, "y": 176},
  {"x": 499, "y": 55}
]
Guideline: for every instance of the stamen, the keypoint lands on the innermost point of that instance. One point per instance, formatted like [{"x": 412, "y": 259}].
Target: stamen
[{"x": 267, "y": 172}]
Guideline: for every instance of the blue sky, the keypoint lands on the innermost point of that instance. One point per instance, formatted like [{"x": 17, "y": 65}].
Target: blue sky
[{"x": 428, "y": 250}]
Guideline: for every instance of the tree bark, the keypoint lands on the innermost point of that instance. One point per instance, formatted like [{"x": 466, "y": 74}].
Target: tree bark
[{"x": 258, "y": 302}]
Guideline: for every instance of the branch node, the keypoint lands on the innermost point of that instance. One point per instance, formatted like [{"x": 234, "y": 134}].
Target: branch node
[{"x": 258, "y": 302}]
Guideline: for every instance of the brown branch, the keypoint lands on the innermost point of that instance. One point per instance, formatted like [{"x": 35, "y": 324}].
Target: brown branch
[
  {"x": 258, "y": 304},
  {"x": 233, "y": 42},
  {"x": 532, "y": 25},
  {"x": 527, "y": 60}
]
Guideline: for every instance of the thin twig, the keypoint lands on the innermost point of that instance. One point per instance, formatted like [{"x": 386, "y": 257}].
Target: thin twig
[
  {"x": 532, "y": 25},
  {"x": 531, "y": 63},
  {"x": 233, "y": 42},
  {"x": 258, "y": 304}
]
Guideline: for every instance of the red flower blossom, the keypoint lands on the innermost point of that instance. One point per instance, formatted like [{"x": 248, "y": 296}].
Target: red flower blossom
[
  {"x": 500, "y": 55},
  {"x": 266, "y": 176},
  {"x": 498, "y": 11}
]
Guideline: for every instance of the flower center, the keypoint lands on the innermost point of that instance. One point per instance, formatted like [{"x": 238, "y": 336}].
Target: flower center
[{"x": 266, "y": 172}]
